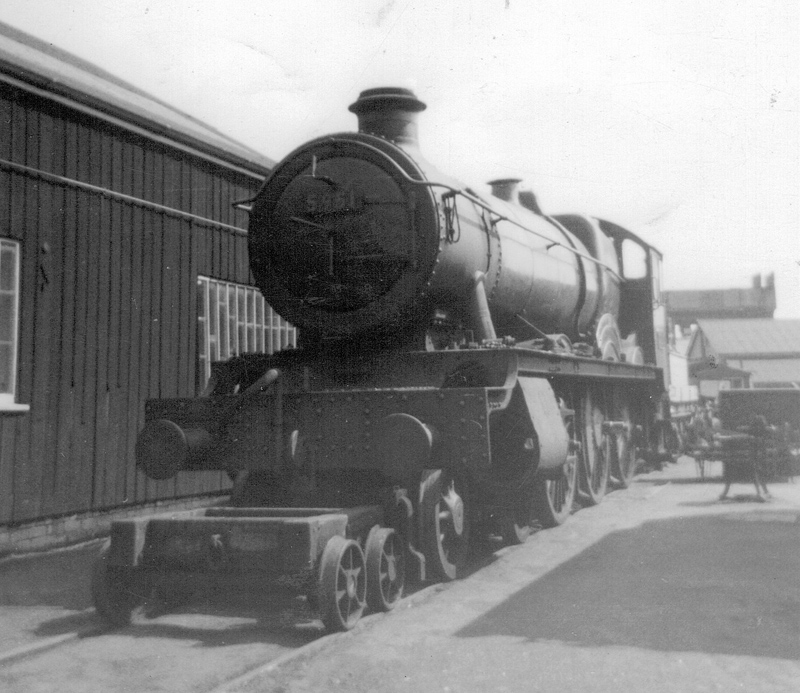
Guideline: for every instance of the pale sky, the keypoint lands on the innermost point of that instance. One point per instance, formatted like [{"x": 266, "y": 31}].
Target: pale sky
[{"x": 676, "y": 118}]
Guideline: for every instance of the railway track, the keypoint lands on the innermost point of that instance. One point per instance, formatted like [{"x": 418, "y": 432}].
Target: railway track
[
  {"x": 224, "y": 633},
  {"x": 220, "y": 636},
  {"x": 195, "y": 648}
]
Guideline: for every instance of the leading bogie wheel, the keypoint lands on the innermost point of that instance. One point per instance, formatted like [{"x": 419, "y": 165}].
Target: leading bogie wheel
[
  {"x": 117, "y": 591},
  {"x": 386, "y": 568},
  {"x": 342, "y": 587},
  {"x": 444, "y": 524}
]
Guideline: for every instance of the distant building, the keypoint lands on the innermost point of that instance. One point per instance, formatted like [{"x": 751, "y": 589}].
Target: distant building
[
  {"x": 685, "y": 308},
  {"x": 682, "y": 392},
  {"x": 728, "y": 354}
]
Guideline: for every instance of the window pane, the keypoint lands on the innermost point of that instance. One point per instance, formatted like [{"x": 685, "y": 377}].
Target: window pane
[
  {"x": 212, "y": 308},
  {"x": 9, "y": 297},
  {"x": 260, "y": 323},
  {"x": 634, "y": 260},
  {"x": 8, "y": 267},
  {"x": 7, "y": 318},
  {"x": 241, "y": 321},
  {"x": 234, "y": 319},
  {"x": 251, "y": 306},
  {"x": 6, "y": 363},
  {"x": 222, "y": 338},
  {"x": 232, "y": 334}
]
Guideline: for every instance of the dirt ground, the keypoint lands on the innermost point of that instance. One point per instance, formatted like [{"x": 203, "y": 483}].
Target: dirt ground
[{"x": 660, "y": 588}]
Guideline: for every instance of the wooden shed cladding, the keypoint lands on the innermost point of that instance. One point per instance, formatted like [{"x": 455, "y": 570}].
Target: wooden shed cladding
[{"x": 114, "y": 230}]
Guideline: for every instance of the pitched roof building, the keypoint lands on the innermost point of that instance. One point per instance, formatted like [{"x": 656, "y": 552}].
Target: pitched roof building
[
  {"x": 124, "y": 275},
  {"x": 768, "y": 350},
  {"x": 63, "y": 78}
]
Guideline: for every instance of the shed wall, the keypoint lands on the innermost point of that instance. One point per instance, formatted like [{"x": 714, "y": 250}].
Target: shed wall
[{"x": 114, "y": 230}]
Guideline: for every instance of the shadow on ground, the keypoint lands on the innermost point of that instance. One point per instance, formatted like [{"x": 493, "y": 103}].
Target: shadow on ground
[
  {"x": 59, "y": 578},
  {"x": 715, "y": 584},
  {"x": 57, "y": 588},
  {"x": 214, "y": 616}
]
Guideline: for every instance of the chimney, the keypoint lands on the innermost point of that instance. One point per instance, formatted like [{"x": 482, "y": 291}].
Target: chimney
[
  {"x": 756, "y": 281},
  {"x": 389, "y": 112},
  {"x": 506, "y": 189}
]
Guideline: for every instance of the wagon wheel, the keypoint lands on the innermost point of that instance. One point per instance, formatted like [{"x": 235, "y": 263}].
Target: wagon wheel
[
  {"x": 342, "y": 584},
  {"x": 444, "y": 528},
  {"x": 623, "y": 465},
  {"x": 117, "y": 591},
  {"x": 386, "y": 568},
  {"x": 594, "y": 470}
]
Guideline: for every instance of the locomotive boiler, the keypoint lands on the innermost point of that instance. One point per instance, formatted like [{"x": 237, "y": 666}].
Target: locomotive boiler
[
  {"x": 466, "y": 365},
  {"x": 356, "y": 236}
]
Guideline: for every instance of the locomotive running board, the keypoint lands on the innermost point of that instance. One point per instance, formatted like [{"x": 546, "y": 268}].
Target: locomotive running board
[
  {"x": 498, "y": 368},
  {"x": 549, "y": 364}
]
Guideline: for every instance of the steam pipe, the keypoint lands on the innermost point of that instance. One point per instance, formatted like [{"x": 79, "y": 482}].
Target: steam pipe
[{"x": 482, "y": 318}]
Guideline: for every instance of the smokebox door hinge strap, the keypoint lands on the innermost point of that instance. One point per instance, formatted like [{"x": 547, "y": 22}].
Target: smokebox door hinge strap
[{"x": 452, "y": 221}]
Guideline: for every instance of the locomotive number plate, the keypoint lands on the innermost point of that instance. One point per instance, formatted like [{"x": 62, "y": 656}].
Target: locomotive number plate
[{"x": 334, "y": 201}]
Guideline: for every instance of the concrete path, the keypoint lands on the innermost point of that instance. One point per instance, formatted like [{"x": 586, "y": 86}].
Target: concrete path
[{"x": 660, "y": 588}]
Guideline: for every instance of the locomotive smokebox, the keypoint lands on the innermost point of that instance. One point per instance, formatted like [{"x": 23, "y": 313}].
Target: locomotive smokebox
[{"x": 389, "y": 112}]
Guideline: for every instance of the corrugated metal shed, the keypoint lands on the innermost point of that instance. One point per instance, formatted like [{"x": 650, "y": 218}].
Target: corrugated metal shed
[
  {"x": 772, "y": 370},
  {"x": 751, "y": 338},
  {"x": 26, "y": 60}
]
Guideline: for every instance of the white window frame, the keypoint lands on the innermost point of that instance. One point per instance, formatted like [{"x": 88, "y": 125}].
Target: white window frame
[
  {"x": 235, "y": 319},
  {"x": 11, "y": 290}
]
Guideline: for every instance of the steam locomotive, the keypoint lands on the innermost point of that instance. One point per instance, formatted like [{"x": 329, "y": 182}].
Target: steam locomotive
[{"x": 466, "y": 366}]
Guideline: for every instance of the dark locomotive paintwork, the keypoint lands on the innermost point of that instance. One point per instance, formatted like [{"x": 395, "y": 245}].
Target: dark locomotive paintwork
[
  {"x": 462, "y": 370},
  {"x": 356, "y": 235}
]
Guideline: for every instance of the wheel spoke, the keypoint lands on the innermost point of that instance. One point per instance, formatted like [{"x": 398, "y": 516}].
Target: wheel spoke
[
  {"x": 341, "y": 584},
  {"x": 553, "y": 498},
  {"x": 384, "y": 573},
  {"x": 445, "y": 525}
]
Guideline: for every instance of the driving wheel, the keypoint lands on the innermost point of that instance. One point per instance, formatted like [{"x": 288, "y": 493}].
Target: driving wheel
[
  {"x": 624, "y": 462},
  {"x": 594, "y": 471},
  {"x": 444, "y": 526},
  {"x": 554, "y": 497}
]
